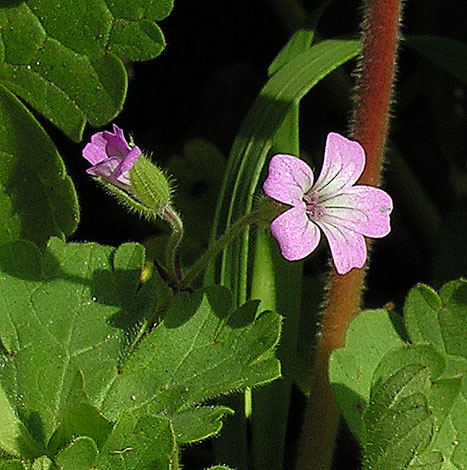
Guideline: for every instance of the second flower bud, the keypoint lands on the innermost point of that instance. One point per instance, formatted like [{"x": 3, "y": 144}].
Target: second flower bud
[{"x": 127, "y": 173}]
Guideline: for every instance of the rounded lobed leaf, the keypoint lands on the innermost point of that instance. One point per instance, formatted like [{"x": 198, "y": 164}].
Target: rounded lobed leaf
[{"x": 65, "y": 58}]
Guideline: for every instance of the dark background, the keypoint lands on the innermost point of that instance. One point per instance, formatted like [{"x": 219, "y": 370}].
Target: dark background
[{"x": 205, "y": 81}]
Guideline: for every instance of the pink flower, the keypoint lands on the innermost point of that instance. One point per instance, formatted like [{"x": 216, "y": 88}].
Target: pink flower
[
  {"x": 345, "y": 212},
  {"x": 111, "y": 156}
]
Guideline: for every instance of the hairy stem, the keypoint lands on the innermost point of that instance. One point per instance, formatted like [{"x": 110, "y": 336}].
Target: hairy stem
[
  {"x": 370, "y": 125},
  {"x": 176, "y": 224},
  {"x": 199, "y": 267},
  {"x": 375, "y": 83}
]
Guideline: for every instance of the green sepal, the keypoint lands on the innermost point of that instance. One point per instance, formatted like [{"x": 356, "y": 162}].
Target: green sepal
[
  {"x": 149, "y": 185},
  {"x": 127, "y": 200},
  {"x": 149, "y": 193}
]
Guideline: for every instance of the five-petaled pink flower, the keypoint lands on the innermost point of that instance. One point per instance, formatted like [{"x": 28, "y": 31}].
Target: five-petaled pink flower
[
  {"x": 345, "y": 212},
  {"x": 111, "y": 156}
]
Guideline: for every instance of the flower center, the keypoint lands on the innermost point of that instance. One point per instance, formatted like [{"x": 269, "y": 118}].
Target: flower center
[{"x": 313, "y": 210}]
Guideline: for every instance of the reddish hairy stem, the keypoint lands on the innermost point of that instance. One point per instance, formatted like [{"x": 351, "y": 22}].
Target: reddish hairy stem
[
  {"x": 370, "y": 125},
  {"x": 375, "y": 84},
  {"x": 322, "y": 413}
]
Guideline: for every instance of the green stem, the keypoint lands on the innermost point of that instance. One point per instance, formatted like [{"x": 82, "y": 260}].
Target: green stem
[
  {"x": 371, "y": 117},
  {"x": 176, "y": 224},
  {"x": 218, "y": 246}
]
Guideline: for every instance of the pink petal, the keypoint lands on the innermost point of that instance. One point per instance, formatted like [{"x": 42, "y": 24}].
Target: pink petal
[
  {"x": 116, "y": 144},
  {"x": 128, "y": 162},
  {"x": 94, "y": 152},
  {"x": 105, "y": 169},
  {"x": 348, "y": 248},
  {"x": 296, "y": 234},
  {"x": 288, "y": 180},
  {"x": 363, "y": 209},
  {"x": 106, "y": 144},
  {"x": 344, "y": 161}
]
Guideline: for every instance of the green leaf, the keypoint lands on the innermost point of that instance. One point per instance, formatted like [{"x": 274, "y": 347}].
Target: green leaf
[
  {"x": 82, "y": 420},
  {"x": 14, "y": 437},
  {"x": 79, "y": 455},
  {"x": 196, "y": 424},
  {"x": 442, "y": 321},
  {"x": 301, "y": 39},
  {"x": 453, "y": 318},
  {"x": 147, "y": 443},
  {"x": 60, "y": 313},
  {"x": 404, "y": 410},
  {"x": 448, "y": 54},
  {"x": 442, "y": 398},
  {"x": 421, "y": 315},
  {"x": 43, "y": 463},
  {"x": 424, "y": 355},
  {"x": 429, "y": 461},
  {"x": 37, "y": 197},
  {"x": 370, "y": 336},
  {"x": 201, "y": 350},
  {"x": 416, "y": 417},
  {"x": 397, "y": 423},
  {"x": 12, "y": 465},
  {"x": 299, "y": 42},
  {"x": 134, "y": 33},
  {"x": 76, "y": 417},
  {"x": 219, "y": 467},
  {"x": 70, "y": 325},
  {"x": 63, "y": 58}
]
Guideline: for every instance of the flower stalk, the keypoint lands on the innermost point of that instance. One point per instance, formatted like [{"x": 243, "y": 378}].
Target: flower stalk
[
  {"x": 370, "y": 125},
  {"x": 238, "y": 227},
  {"x": 176, "y": 224}
]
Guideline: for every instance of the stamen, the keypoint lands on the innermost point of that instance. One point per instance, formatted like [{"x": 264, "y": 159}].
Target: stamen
[{"x": 313, "y": 211}]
